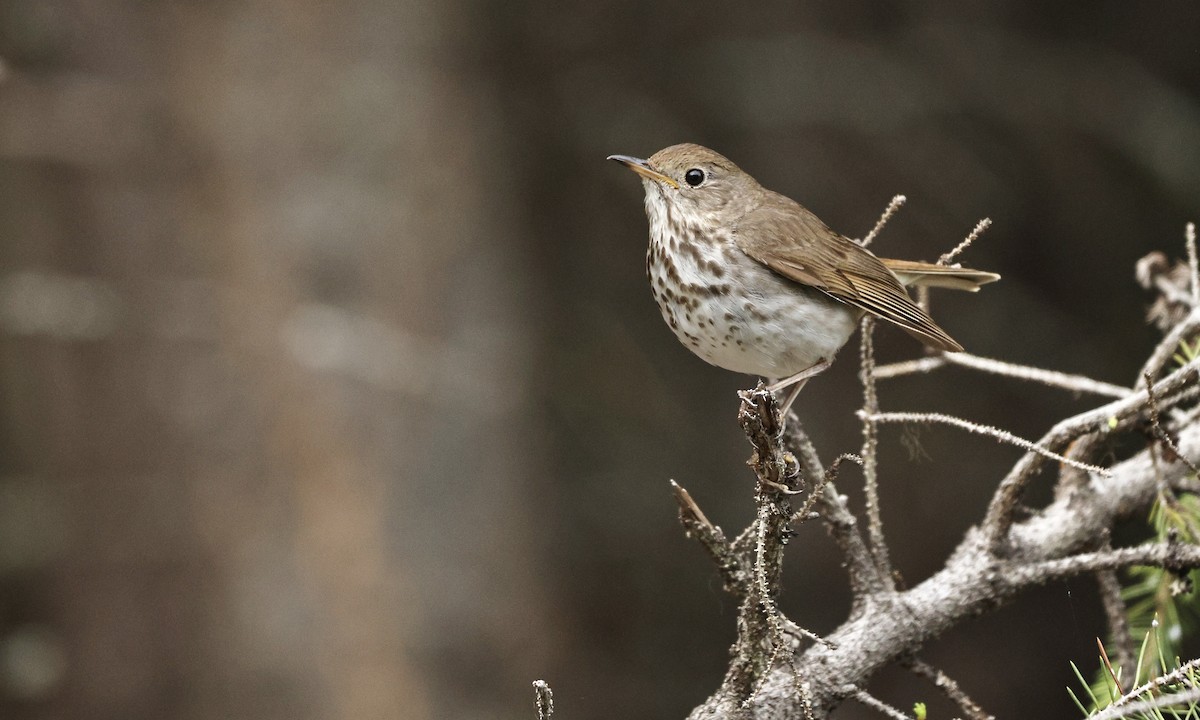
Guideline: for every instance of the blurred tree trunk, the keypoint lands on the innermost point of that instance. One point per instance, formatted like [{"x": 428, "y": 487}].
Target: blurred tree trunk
[{"x": 261, "y": 333}]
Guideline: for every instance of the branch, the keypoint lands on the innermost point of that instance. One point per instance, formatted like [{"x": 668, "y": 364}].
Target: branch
[
  {"x": 1113, "y": 416},
  {"x": 870, "y": 432},
  {"x": 911, "y": 367},
  {"x": 982, "y": 225},
  {"x": 973, "y": 581},
  {"x": 761, "y": 634},
  {"x": 734, "y": 567},
  {"x": 843, "y": 525},
  {"x": 1113, "y": 712},
  {"x": 1057, "y": 542},
  {"x": 817, "y": 493},
  {"x": 1169, "y": 345},
  {"x": 1125, "y": 702},
  {"x": 1049, "y": 378},
  {"x": 992, "y": 432},
  {"x": 1171, "y": 556},
  {"x": 544, "y": 698},
  {"x": 893, "y": 206},
  {"x": 1189, "y": 236},
  {"x": 875, "y": 703},
  {"x": 947, "y": 685}
]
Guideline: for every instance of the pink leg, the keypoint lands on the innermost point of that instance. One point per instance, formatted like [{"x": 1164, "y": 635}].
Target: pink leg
[{"x": 798, "y": 381}]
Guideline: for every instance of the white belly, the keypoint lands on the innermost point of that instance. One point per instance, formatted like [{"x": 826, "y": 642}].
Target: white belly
[{"x": 774, "y": 331}]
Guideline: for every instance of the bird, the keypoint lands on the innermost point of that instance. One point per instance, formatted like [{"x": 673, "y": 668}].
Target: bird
[{"x": 753, "y": 282}]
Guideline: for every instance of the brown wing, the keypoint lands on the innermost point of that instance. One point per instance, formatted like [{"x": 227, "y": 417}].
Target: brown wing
[{"x": 793, "y": 242}]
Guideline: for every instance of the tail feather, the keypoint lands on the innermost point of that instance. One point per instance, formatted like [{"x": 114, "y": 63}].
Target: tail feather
[{"x": 917, "y": 273}]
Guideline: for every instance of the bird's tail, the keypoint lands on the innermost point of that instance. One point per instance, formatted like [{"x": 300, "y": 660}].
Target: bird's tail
[{"x": 944, "y": 276}]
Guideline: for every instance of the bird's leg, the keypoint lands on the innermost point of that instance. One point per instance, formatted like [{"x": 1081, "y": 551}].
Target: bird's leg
[
  {"x": 791, "y": 398},
  {"x": 798, "y": 381}
]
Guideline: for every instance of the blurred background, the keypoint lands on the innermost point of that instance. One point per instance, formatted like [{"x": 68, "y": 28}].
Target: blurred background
[{"x": 331, "y": 387}]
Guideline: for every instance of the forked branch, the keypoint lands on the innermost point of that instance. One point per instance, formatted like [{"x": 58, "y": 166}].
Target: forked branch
[{"x": 774, "y": 676}]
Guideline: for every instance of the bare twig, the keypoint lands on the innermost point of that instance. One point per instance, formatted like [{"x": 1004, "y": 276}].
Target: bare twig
[
  {"x": 544, "y": 699},
  {"x": 1172, "y": 292},
  {"x": 1177, "y": 675},
  {"x": 980, "y": 227},
  {"x": 1111, "y": 417},
  {"x": 1089, "y": 443},
  {"x": 791, "y": 628},
  {"x": 879, "y": 549},
  {"x": 733, "y": 566},
  {"x": 1169, "y": 345},
  {"x": 693, "y": 516},
  {"x": 1189, "y": 236},
  {"x": 910, "y": 367},
  {"x": 843, "y": 525},
  {"x": 992, "y": 432},
  {"x": 817, "y": 493},
  {"x": 969, "y": 707},
  {"x": 1172, "y": 556},
  {"x": 896, "y": 203},
  {"x": 1149, "y": 706},
  {"x": 1086, "y": 446},
  {"x": 772, "y": 658},
  {"x": 1156, "y": 427},
  {"x": 1050, "y": 378},
  {"x": 762, "y": 583},
  {"x": 875, "y": 703}
]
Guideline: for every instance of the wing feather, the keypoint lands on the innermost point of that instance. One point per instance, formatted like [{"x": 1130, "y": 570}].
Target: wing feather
[{"x": 787, "y": 238}]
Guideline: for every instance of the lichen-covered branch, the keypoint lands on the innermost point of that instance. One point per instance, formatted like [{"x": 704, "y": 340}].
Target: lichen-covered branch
[
  {"x": 974, "y": 580},
  {"x": 843, "y": 525},
  {"x": 777, "y": 673},
  {"x": 1113, "y": 417}
]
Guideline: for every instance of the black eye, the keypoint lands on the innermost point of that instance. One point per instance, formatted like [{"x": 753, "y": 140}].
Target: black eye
[{"x": 694, "y": 177}]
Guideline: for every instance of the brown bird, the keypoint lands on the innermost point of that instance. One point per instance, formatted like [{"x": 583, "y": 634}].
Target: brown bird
[{"x": 753, "y": 282}]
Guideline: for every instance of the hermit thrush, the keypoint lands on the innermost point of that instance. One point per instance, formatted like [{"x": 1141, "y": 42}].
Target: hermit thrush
[{"x": 753, "y": 282}]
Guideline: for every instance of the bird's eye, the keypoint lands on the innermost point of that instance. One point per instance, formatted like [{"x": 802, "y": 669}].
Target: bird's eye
[{"x": 694, "y": 177}]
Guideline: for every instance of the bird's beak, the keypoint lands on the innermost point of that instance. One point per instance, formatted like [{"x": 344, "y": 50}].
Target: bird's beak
[{"x": 643, "y": 168}]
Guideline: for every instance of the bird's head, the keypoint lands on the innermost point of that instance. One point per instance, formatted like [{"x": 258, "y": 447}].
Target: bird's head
[{"x": 694, "y": 181}]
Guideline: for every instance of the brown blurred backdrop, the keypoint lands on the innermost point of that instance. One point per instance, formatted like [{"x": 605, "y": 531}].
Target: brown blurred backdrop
[{"x": 330, "y": 386}]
